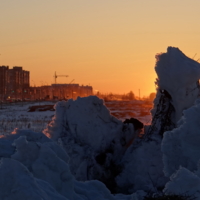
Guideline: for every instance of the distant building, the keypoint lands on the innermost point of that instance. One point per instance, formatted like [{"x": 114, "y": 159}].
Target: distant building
[
  {"x": 66, "y": 91},
  {"x": 59, "y": 91},
  {"x": 19, "y": 80},
  {"x": 4, "y": 80},
  {"x": 13, "y": 82}
]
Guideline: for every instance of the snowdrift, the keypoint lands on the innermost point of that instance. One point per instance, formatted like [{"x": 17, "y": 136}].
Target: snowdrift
[
  {"x": 94, "y": 140},
  {"x": 34, "y": 167},
  {"x": 179, "y": 76},
  {"x": 181, "y": 154}
]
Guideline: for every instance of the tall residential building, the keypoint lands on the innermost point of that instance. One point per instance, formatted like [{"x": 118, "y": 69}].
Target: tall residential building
[
  {"x": 4, "y": 79},
  {"x": 13, "y": 81},
  {"x": 19, "y": 80}
]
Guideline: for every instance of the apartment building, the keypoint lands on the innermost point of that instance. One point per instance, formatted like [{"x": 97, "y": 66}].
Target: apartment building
[
  {"x": 4, "y": 79},
  {"x": 13, "y": 82}
]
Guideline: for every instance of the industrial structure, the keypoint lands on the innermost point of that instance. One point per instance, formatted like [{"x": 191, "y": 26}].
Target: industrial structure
[
  {"x": 15, "y": 84},
  {"x": 56, "y": 76},
  {"x": 59, "y": 91}
]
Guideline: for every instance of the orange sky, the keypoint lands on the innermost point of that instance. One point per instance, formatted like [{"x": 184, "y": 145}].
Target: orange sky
[{"x": 110, "y": 45}]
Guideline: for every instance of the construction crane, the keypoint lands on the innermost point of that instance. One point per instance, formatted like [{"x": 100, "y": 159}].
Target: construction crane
[
  {"x": 56, "y": 76},
  {"x": 71, "y": 81}
]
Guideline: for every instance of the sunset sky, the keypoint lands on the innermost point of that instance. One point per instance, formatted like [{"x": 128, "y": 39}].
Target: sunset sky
[{"x": 108, "y": 44}]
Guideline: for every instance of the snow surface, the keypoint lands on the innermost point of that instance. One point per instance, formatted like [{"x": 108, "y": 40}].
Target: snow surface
[
  {"x": 181, "y": 154},
  {"x": 93, "y": 139},
  {"x": 143, "y": 168},
  {"x": 184, "y": 182},
  {"x": 180, "y": 146},
  {"x": 16, "y": 115},
  {"x": 44, "y": 169},
  {"x": 37, "y": 168},
  {"x": 178, "y": 75}
]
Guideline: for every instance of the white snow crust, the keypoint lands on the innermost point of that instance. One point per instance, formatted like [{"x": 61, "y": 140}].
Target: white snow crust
[
  {"x": 18, "y": 183},
  {"x": 181, "y": 154},
  {"x": 143, "y": 168},
  {"x": 40, "y": 170},
  {"x": 41, "y": 167},
  {"x": 184, "y": 182},
  {"x": 180, "y": 146},
  {"x": 93, "y": 139},
  {"x": 178, "y": 75}
]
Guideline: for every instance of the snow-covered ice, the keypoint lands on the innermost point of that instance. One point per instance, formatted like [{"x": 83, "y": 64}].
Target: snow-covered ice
[
  {"x": 180, "y": 146},
  {"x": 179, "y": 76},
  {"x": 93, "y": 139}
]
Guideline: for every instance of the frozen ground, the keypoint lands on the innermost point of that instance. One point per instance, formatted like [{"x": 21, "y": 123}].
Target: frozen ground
[
  {"x": 83, "y": 142},
  {"x": 127, "y": 109},
  {"x": 16, "y": 115}
]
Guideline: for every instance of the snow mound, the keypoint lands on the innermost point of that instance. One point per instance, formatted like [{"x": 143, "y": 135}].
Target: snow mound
[
  {"x": 178, "y": 75},
  {"x": 176, "y": 69},
  {"x": 184, "y": 182},
  {"x": 143, "y": 169},
  {"x": 44, "y": 164},
  {"x": 88, "y": 120},
  {"x": 30, "y": 169},
  {"x": 94, "y": 140},
  {"x": 180, "y": 146},
  {"x": 18, "y": 183}
]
